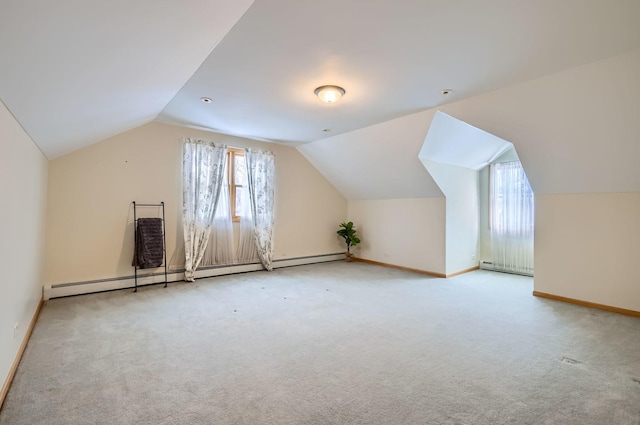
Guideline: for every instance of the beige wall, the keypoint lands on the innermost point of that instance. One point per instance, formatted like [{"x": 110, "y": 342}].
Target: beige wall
[
  {"x": 402, "y": 232},
  {"x": 23, "y": 185},
  {"x": 89, "y": 222},
  {"x": 587, "y": 247}
]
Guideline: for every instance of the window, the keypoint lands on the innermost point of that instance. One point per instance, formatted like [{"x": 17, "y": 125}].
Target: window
[
  {"x": 511, "y": 199},
  {"x": 511, "y": 218},
  {"x": 237, "y": 177},
  {"x": 209, "y": 169}
]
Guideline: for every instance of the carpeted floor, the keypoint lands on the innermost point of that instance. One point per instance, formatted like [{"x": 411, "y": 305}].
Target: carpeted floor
[{"x": 337, "y": 343}]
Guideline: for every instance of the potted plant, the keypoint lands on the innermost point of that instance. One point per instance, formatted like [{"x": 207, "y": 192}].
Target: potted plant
[{"x": 350, "y": 237}]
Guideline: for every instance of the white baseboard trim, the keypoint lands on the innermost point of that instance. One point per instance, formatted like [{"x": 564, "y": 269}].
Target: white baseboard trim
[{"x": 88, "y": 287}]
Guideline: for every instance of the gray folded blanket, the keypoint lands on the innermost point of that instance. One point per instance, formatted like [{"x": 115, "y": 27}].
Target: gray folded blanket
[{"x": 149, "y": 250}]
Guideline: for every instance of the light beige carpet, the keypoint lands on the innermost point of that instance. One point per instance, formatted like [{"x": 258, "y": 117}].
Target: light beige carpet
[{"x": 338, "y": 343}]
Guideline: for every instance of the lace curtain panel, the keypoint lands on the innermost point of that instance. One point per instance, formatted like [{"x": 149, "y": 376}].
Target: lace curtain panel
[
  {"x": 512, "y": 218},
  {"x": 260, "y": 181},
  {"x": 203, "y": 179}
]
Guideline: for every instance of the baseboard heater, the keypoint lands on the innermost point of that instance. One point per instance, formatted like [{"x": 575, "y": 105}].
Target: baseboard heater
[
  {"x": 489, "y": 265},
  {"x": 124, "y": 282}
]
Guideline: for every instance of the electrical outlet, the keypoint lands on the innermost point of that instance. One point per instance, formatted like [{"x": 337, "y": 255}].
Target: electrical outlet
[{"x": 15, "y": 330}]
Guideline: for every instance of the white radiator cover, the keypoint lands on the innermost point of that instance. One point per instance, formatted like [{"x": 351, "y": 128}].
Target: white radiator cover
[
  {"x": 79, "y": 288},
  {"x": 489, "y": 265}
]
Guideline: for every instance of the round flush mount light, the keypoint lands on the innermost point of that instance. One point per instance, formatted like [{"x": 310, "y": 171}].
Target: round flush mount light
[
  {"x": 446, "y": 92},
  {"x": 329, "y": 94},
  {"x": 206, "y": 99}
]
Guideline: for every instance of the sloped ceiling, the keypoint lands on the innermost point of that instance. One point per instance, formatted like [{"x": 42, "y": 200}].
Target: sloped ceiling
[
  {"x": 377, "y": 162},
  {"x": 393, "y": 58},
  {"x": 454, "y": 142},
  {"x": 575, "y": 131},
  {"x": 388, "y": 160},
  {"x": 75, "y": 72}
]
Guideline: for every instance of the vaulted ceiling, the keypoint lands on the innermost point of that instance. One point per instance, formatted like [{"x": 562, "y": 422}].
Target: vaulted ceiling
[
  {"x": 74, "y": 72},
  {"x": 454, "y": 142}
]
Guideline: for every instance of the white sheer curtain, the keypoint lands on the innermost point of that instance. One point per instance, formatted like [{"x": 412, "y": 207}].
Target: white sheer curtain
[
  {"x": 203, "y": 166},
  {"x": 220, "y": 247},
  {"x": 512, "y": 218},
  {"x": 260, "y": 181},
  {"x": 247, "y": 252}
]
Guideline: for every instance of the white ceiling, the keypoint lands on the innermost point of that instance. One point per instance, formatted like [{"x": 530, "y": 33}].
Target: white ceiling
[
  {"x": 454, "y": 142},
  {"x": 75, "y": 72}
]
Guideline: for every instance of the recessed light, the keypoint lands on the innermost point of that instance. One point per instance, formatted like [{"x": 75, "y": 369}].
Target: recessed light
[
  {"x": 446, "y": 92},
  {"x": 206, "y": 99},
  {"x": 326, "y": 130}
]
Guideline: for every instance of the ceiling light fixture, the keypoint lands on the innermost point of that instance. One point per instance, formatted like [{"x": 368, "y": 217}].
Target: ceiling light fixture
[
  {"x": 329, "y": 94},
  {"x": 206, "y": 99},
  {"x": 446, "y": 92}
]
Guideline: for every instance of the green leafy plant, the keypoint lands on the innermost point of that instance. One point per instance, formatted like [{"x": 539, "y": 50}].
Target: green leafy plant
[{"x": 349, "y": 234}]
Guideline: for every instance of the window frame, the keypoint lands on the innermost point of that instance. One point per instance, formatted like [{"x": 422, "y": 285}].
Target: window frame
[{"x": 232, "y": 153}]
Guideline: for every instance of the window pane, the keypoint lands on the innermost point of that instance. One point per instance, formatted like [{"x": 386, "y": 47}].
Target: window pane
[
  {"x": 239, "y": 196},
  {"x": 240, "y": 170},
  {"x": 512, "y": 200}
]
